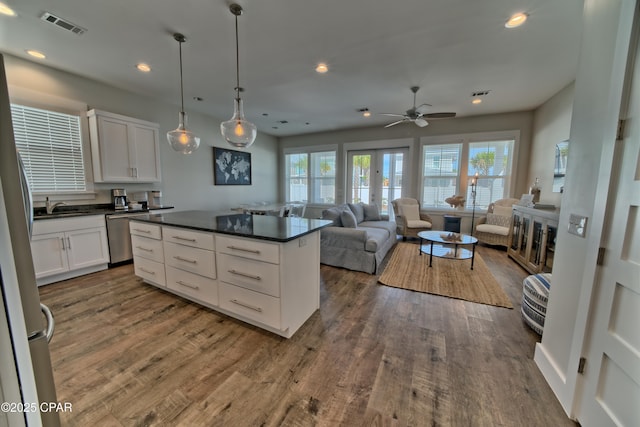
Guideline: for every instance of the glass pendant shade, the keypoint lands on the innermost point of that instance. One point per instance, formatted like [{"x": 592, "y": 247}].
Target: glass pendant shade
[
  {"x": 182, "y": 140},
  {"x": 238, "y": 131}
]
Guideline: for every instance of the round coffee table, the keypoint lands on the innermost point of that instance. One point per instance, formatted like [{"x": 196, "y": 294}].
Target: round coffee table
[{"x": 443, "y": 244}]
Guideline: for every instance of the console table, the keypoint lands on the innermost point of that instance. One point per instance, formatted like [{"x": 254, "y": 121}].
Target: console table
[{"x": 533, "y": 238}]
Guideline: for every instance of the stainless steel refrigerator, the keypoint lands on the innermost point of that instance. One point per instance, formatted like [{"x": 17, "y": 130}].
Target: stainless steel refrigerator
[{"x": 26, "y": 325}]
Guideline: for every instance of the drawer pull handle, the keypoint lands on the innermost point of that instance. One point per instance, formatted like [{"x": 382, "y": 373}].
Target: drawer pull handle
[
  {"x": 251, "y": 307},
  {"x": 188, "y": 285},
  {"x": 179, "y": 258},
  {"x": 250, "y": 276},
  {"x": 184, "y": 238},
  {"x": 144, "y": 249},
  {"x": 235, "y": 248},
  {"x": 142, "y": 231},
  {"x": 144, "y": 270}
]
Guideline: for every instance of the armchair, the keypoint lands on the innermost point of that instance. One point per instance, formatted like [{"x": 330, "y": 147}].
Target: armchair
[
  {"x": 495, "y": 228},
  {"x": 409, "y": 220}
]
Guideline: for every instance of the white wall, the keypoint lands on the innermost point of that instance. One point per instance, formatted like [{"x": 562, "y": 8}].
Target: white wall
[
  {"x": 551, "y": 125},
  {"x": 187, "y": 180},
  {"x": 597, "y": 101}
]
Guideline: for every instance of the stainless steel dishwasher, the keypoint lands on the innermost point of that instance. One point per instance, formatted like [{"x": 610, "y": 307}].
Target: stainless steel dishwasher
[{"x": 119, "y": 237}]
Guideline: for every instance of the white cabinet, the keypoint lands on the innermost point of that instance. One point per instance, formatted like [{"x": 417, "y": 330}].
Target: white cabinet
[
  {"x": 148, "y": 252},
  {"x": 533, "y": 238},
  {"x": 65, "y": 248},
  {"x": 124, "y": 149},
  {"x": 272, "y": 285}
]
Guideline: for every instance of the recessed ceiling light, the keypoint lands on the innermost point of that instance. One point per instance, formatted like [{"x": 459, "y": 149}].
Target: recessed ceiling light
[
  {"x": 322, "y": 68},
  {"x": 476, "y": 101},
  {"x": 516, "y": 20},
  {"x": 365, "y": 112},
  {"x": 145, "y": 68},
  {"x": 6, "y": 10},
  {"x": 36, "y": 54}
]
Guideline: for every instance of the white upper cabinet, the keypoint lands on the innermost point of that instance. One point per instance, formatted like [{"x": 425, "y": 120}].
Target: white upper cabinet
[{"x": 124, "y": 149}]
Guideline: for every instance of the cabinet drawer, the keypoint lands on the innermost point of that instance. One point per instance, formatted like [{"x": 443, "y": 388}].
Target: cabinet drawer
[
  {"x": 195, "y": 260},
  {"x": 250, "y": 274},
  {"x": 196, "y": 239},
  {"x": 147, "y": 248},
  {"x": 145, "y": 229},
  {"x": 254, "y": 249},
  {"x": 192, "y": 285},
  {"x": 252, "y": 305},
  {"x": 149, "y": 270}
]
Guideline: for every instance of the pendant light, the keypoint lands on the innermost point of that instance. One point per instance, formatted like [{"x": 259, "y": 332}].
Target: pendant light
[
  {"x": 238, "y": 131},
  {"x": 182, "y": 140}
]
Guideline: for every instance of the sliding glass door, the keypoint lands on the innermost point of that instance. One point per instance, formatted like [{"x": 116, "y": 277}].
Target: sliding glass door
[{"x": 377, "y": 176}]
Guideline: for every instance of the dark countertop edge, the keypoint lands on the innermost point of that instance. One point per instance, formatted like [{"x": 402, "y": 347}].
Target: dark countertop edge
[
  {"x": 74, "y": 211},
  {"x": 230, "y": 233}
]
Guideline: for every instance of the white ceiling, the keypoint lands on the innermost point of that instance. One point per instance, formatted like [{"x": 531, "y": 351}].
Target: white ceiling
[{"x": 376, "y": 51}]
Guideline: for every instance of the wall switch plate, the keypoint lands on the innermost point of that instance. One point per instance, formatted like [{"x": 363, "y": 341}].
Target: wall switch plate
[{"x": 578, "y": 225}]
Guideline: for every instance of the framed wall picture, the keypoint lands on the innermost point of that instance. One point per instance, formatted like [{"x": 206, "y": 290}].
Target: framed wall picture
[{"x": 231, "y": 167}]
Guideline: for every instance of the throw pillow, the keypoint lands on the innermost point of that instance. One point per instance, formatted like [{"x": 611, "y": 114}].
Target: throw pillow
[
  {"x": 502, "y": 221},
  {"x": 358, "y": 211},
  {"x": 371, "y": 212},
  {"x": 410, "y": 212},
  {"x": 332, "y": 214},
  {"x": 502, "y": 210},
  {"x": 348, "y": 219}
]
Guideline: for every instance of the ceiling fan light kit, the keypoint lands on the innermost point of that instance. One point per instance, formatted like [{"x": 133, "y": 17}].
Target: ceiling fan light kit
[
  {"x": 182, "y": 140},
  {"x": 418, "y": 115},
  {"x": 238, "y": 131}
]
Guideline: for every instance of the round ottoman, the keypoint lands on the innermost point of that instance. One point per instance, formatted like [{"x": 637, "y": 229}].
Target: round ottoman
[{"x": 535, "y": 294}]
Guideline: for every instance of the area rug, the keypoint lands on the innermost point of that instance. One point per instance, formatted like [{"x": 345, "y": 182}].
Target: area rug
[{"x": 447, "y": 277}]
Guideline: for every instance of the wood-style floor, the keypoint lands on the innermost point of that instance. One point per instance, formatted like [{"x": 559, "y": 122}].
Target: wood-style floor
[{"x": 127, "y": 354}]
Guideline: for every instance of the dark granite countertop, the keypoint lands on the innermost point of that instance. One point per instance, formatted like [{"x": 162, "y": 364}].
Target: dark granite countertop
[
  {"x": 66, "y": 211},
  {"x": 253, "y": 226}
]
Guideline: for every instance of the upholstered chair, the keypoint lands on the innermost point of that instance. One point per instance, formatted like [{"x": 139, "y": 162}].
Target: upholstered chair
[
  {"x": 409, "y": 220},
  {"x": 495, "y": 227}
]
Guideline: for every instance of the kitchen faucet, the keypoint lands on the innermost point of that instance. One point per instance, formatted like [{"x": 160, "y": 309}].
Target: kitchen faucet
[{"x": 52, "y": 206}]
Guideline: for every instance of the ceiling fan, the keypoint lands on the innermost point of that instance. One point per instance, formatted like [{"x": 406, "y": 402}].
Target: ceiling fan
[{"x": 418, "y": 114}]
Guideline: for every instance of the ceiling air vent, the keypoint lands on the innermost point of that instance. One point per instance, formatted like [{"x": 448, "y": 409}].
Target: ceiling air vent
[
  {"x": 62, "y": 23},
  {"x": 480, "y": 93}
]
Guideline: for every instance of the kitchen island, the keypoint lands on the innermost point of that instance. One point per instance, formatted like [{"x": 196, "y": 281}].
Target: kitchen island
[{"x": 263, "y": 270}]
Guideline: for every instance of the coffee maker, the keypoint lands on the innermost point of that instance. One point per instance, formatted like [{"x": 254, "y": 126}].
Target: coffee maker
[{"x": 119, "y": 196}]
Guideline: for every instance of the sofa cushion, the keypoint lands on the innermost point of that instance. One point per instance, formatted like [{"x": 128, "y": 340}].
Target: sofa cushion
[
  {"x": 410, "y": 212},
  {"x": 418, "y": 223},
  {"x": 358, "y": 211},
  {"x": 390, "y": 226},
  {"x": 348, "y": 219},
  {"x": 493, "y": 229},
  {"x": 502, "y": 221},
  {"x": 371, "y": 212}
]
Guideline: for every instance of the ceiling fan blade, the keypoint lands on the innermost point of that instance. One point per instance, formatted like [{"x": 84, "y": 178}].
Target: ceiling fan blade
[
  {"x": 447, "y": 115},
  {"x": 392, "y": 115},
  {"x": 422, "y": 109},
  {"x": 394, "y": 123}
]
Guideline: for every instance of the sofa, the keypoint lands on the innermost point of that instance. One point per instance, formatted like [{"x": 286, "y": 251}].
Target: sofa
[{"x": 359, "y": 238}]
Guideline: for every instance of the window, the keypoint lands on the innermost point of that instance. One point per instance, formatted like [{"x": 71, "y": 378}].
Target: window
[
  {"x": 492, "y": 162},
  {"x": 311, "y": 177},
  {"x": 50, "y": 146},
  {"x": 440, "y": 173},
  {"x": 449, "y": 168}
]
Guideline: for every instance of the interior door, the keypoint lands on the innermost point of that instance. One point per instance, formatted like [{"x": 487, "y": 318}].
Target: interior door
[
  {"x": 611, "y": 391},
  {"x": 377, "y": 176}
]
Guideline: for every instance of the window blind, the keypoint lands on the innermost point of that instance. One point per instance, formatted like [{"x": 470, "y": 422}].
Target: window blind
[{"x": 50, "y": 145}]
